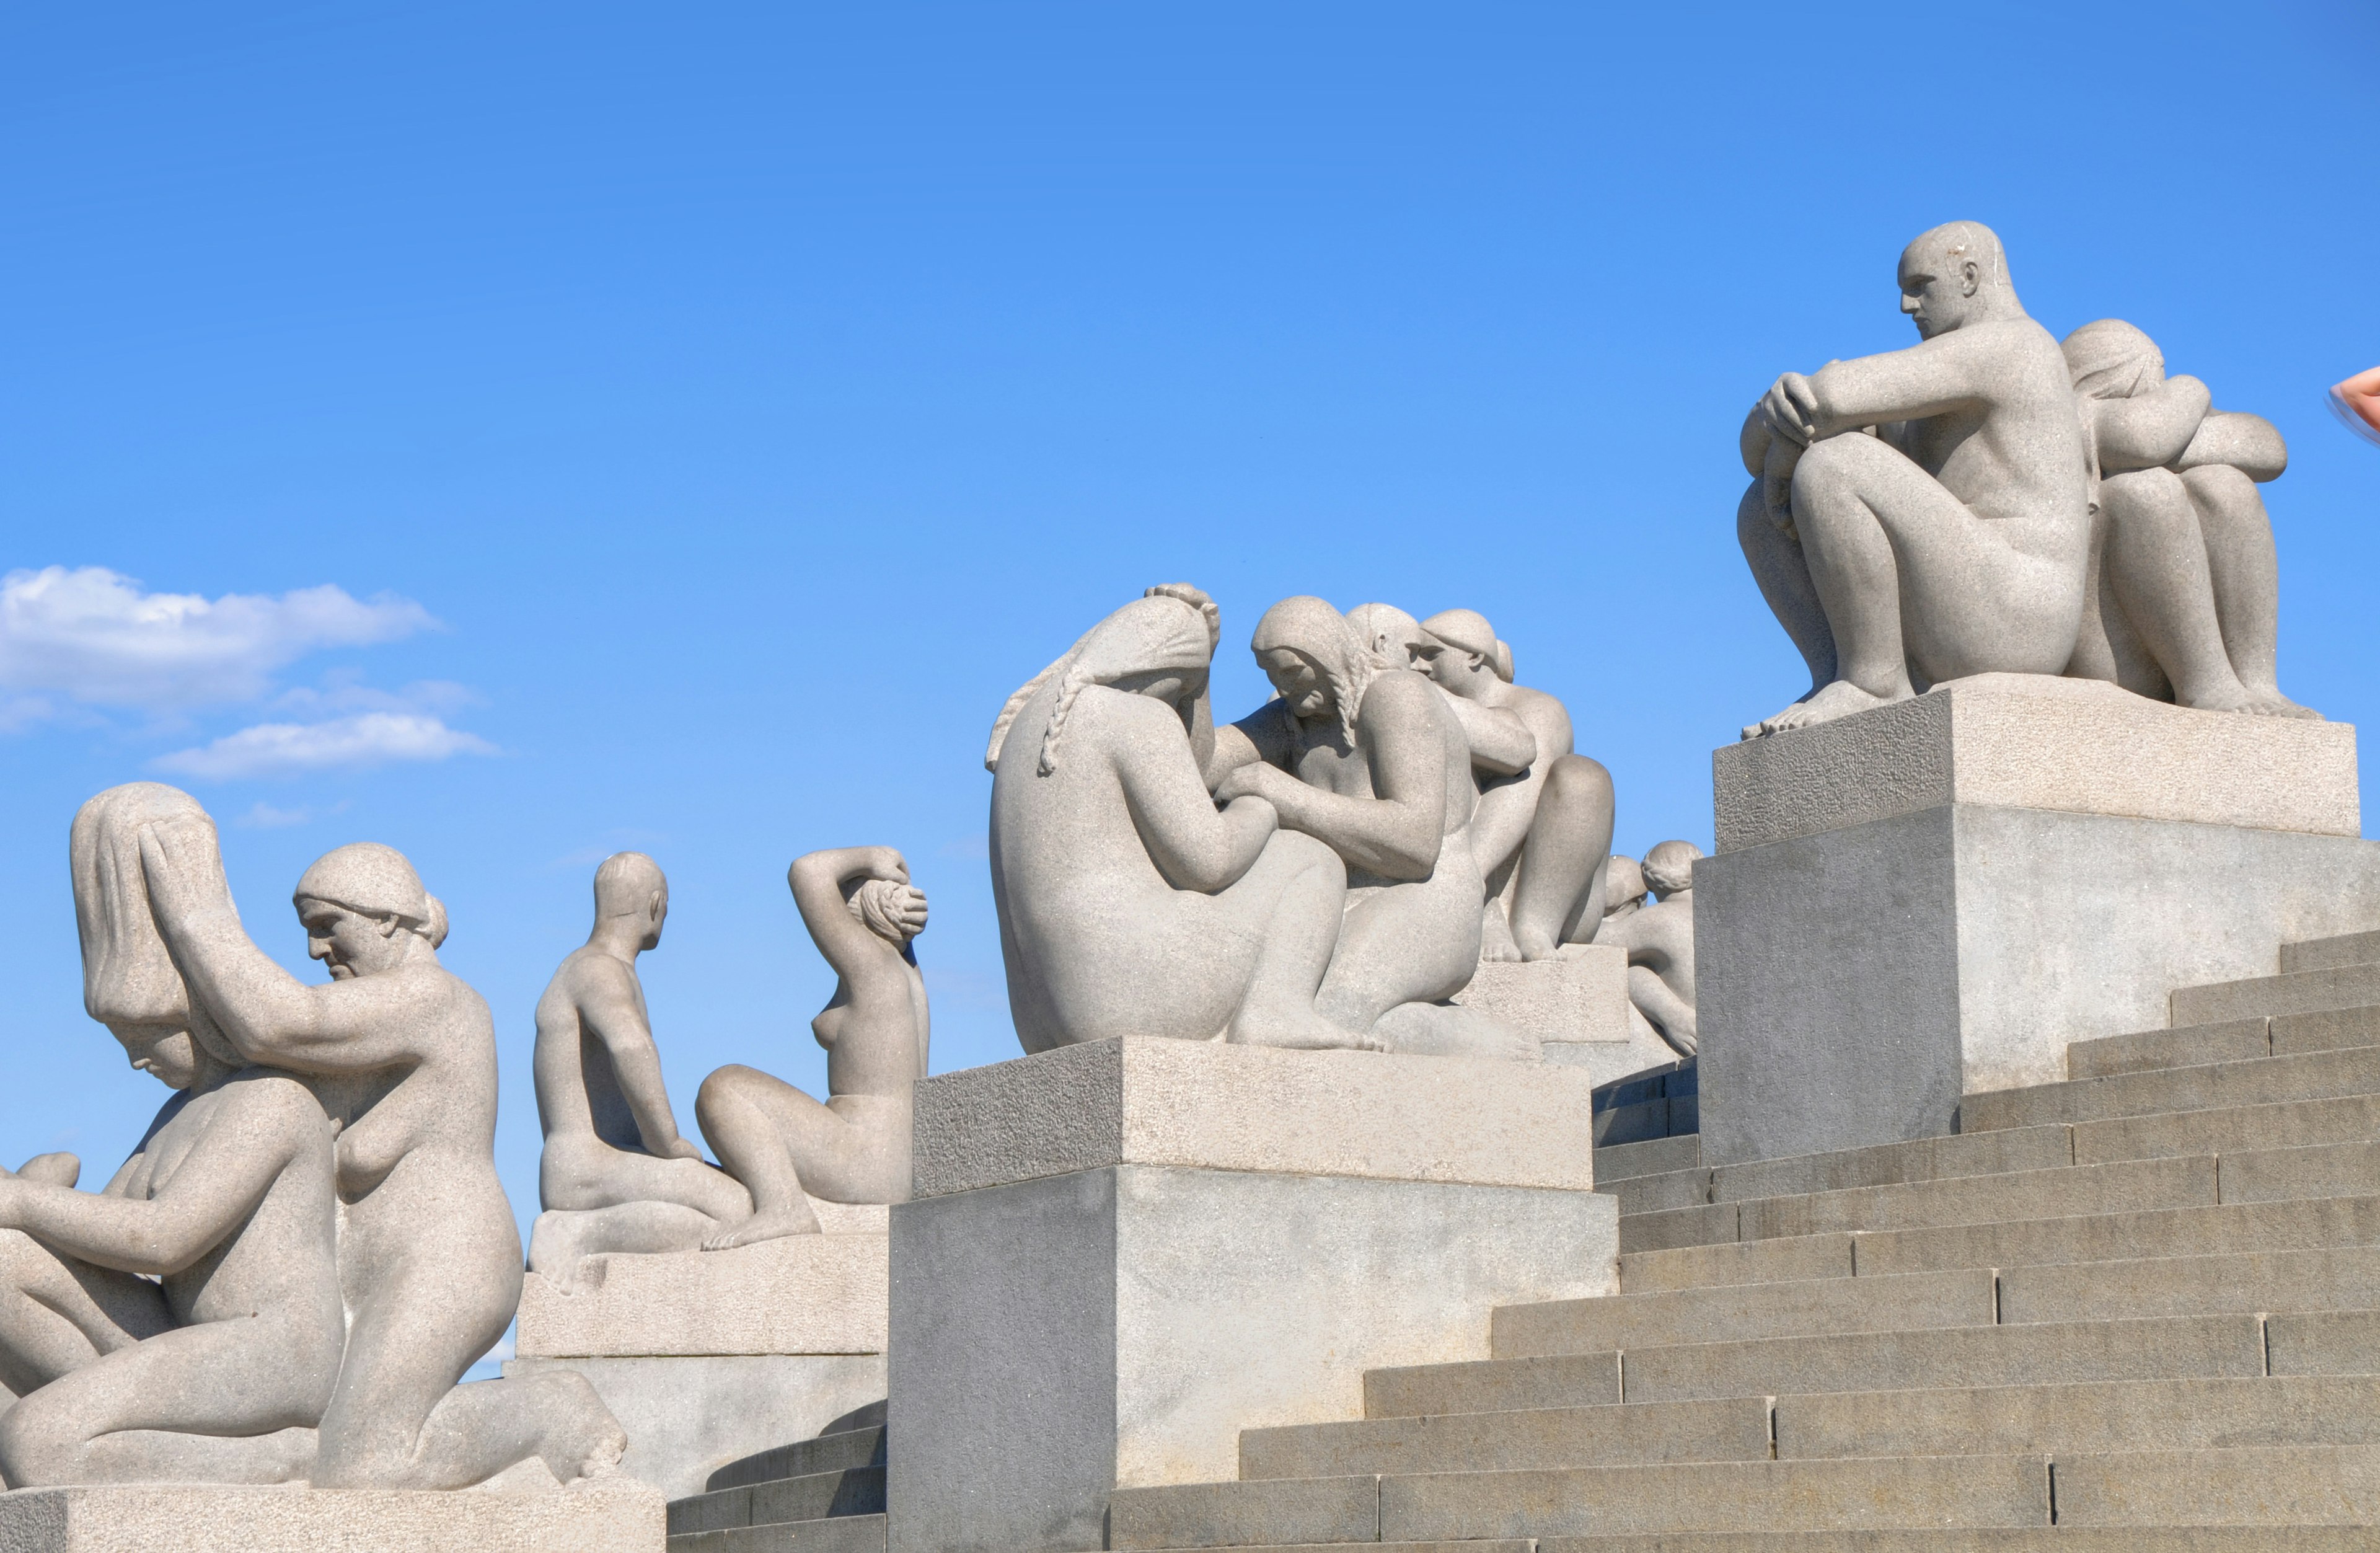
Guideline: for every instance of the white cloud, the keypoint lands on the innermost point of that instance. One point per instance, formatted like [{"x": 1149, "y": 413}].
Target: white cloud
[
  {"x": 265, "y": 816},
  {"x": 91, "y": 635},
  {"x": 293, "y": 748}
]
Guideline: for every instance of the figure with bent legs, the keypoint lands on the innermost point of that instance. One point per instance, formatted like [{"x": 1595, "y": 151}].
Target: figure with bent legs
[
  {"x": 862, "y": 913},
  {"x": 1128, "y": 904},
  {"x": 403, "y": 1055},
  {"x": 615, "y": 1175},
  {"x": 1954, "y": 539},
  {"x": 183, "y": 1325},
  {"x": 1659, "y": 939}
]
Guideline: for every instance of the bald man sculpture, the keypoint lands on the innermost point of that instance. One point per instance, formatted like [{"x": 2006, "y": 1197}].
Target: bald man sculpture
[{"x": 1953, "y": 539}]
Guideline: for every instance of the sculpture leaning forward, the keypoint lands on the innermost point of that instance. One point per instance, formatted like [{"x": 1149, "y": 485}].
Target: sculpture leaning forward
[
  {"x": 403, "y": 1055},
  {"x": 1128, "y": 905},
  {"x": 1954, "y": 539}
]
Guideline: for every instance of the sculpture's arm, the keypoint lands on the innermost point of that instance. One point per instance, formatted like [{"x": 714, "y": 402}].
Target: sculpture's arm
[
  {"x": 1500, "y": 743},
  {"x": 610, "y": 1010},
  {"x": 268, "y": 1015},
  {"x": 1397, "y": 834},
  {"x": 1926, "y": 379},
  {"x": 212, "y": 1191},
  {"x": 2149, "y": 430},
  {"x": 1261, "y": 736},
  {"x": 2248, "y": 443},
  {"x": 1751, "y": 442},
  {"x": 1192, "y": 845},
  {"x": 872, "y": 969}
]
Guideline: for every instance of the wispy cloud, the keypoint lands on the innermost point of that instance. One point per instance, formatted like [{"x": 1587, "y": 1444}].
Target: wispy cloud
[
  {"x": 262, "y": 815},
  {"x": 294, "y": 749},
  {"x": 91, "y": 635}
]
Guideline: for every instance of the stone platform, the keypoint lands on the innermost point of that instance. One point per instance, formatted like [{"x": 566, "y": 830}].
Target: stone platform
[
  {"x": 1930, "y": 900},
  {"x": 1123, "y": 1253},
  {"x": 707, "y": 1356},
  {"x": 1577, "y": 1005},
  {"x": 610, "y": 1516}
]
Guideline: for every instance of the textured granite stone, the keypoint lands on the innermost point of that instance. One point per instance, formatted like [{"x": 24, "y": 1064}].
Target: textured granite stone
[{"x": 610, "y": 1516}]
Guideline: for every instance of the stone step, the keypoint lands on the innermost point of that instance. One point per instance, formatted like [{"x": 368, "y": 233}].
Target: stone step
[
  {"x": 2091, "y": 1417},
  {"x": 1939, "y": 1539},
  {"x": 2004, "y": 1151},
  {"x": 2261, "y": 1081},
  {"x": 852, "y": 1491},
  {"x": 1648, "y": 1120},
  {"x": 2293, "y": 992},
  {"x": 2232, "y": 1041},
  {"x": 829, "y": 1452},
  {"x": 1653, "y": 1156},
  {"x": 846, "y": 1533},
  {"x": 1653, "y": 1193},
  {"x": 2320, "y": 954},
  {"x": 2280, "y": 1124},
  {"x": 2271, "y": 1487}
]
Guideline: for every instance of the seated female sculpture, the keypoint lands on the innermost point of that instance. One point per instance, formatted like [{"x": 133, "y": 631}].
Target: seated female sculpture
[
  {"x": 402, "y": 1054},
  {"x": 1128, "y": 906},
  {"x": 218, "y": 1369},
  {"x": 862, "y": 913}
]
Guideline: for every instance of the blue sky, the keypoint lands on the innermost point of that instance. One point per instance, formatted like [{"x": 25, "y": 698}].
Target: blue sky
[{"x": 681, "y": 427}]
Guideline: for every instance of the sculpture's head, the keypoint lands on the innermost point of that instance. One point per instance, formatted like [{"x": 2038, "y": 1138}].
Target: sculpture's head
[
  {"x": 364, "y": 910},
  {"x": 630, "y": 884},
  {"x": 1391, "y": 635},
  {"x": 1954, "y": 276},
  {"x": 890, "y": 909},
  {"x": 1669, "y": 867},
  {"x": 1156, "y": 646},
  {"x": 2111, "y": 359},
  {"x": 128, "y": 980},
  {"x": 1473, "y": 657},
  {"x": 1624, "y": 884},
  {"x": 1313, "y": 659}
]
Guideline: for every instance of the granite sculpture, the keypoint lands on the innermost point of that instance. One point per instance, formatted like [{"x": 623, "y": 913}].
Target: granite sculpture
[
  {"x": 615, "y": 1175},
  {"x": 1659, "y": 939},
  {"x": 2183, "y": 601},
  {"x": 1369, "y": 757},
  {"x": 1623, "y": 889},
  {"x": 1954, "y": 539},
  {"x": 1128, "y": 903},
  {"x": 401, "y": 1055}
]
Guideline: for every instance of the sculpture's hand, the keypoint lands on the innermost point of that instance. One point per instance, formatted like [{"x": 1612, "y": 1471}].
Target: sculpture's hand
[
  {"x": 183, "y": 870},
  {"x": 913, "y": 911},
  {"x": 886, "y": 862},
  {"x": 1197, "y": 600},
  {"x": 1791, "y": 408}
]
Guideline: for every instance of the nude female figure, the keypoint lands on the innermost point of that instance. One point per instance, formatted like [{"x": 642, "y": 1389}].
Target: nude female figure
[
  {"x": 403, "y": 1055},
  {"x": 1128, "y": 906},
  {"x": 1371, "y": 760},
  {"x": 218, "y": 1369},
  {"x": 862, "y": 913}
]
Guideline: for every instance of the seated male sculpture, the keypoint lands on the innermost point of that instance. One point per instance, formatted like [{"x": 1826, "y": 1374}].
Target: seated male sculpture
[
  {"x": 1128, "y": 905},
  {"x": 1371, "y": 760},
  {"x": 1661, "y": 943},
  {"x": 1542, "y": 834},
  {"x": 184, "y": 1324},
  {"x": 615, "y": 1175},
  {"x": 862, "y": 912},
  {"x": 2184, "y": 596},
  {"x": 1954, "y": 539}
]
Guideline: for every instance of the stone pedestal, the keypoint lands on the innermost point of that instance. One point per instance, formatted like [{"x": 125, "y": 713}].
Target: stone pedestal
[
  {"x": 1934, "y": 898},
  {"x": 711, "y": 1355},
  {"x": 1121, "y": 1254},
  {"x": 1577, "y": 1004},
  {"x": 606, "y": 1516}
]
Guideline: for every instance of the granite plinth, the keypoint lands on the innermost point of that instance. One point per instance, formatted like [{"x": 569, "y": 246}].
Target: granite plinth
[
  {"x": 1579, "y": 995},
  {"x": 609, "y": 1516}
]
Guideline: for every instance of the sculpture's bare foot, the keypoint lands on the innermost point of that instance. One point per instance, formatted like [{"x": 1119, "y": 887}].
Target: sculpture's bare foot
[
  {"x": 2233, "y": 697},
  {"x": 554, "y": 1251},
  {"x": 1839, "y": 700},
  {"x": 585, "y": 1447},
  {"x": 1495, "y": 941},
  {"x": 1294, "y": 1030},
  {"x": 2271, "y": 702},
  {"x": 773, "y": 1225},
  {"x": 1535, "y": 945}
]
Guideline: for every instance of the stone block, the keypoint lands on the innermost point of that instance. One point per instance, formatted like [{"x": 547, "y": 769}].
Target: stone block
[
  {"x": 1962, "y": 1297},
  {"x": 1710, "y": 1224},
  {"x": 2191, "y": 1045},
  {"x": 1323, "y": 1509},
  {"x": 2345, "y": 949},
  {"x": 1581, "y": 994},
  {"x": 844, "y": 1534},
  {"x": 2327, "y": 1029},
  {"x": 1651, "y": 1156},
  {"x": 2299, "y": 992},
  {"x": 1218, "y": 1107},
  {"x": 1678, "y": 1189},
  {"x": 2060, "y": 1193},
  {"x": 1562, "y": 1380},
  {"x": 2333, "y": 1221},
  {"x": 1731, "y": 1429},
  {"x": 1859, "y": 985},
  {"x": 2194, "y": 1413},
  {"x": 1703, "y": 1266},
  {"x": 595, "y": 1517},
  {"x": 1922, "y": 1159},
  {"x": 2324, "y": 1342},
  {"x": 688, "y": 1416},
  {"x": 2335, "y": 1278},
  {"x": 2032, "y": 742},
  {"x": 821, "y": 1293},
  {"x": 2320, "y": 1170},
  {"x": 2280, "y": 1124},
  {"x": 2215, "y": 1087},
  {"x": 1972, "y": 1539},
  {"x": 2276, "y": 1485}
]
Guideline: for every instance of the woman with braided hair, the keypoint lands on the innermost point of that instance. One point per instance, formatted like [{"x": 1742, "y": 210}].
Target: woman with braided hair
[{"x": 784, "y": 1146}]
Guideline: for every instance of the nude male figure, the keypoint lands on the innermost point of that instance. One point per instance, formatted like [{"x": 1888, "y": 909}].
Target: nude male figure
[
  {"x": 615, "y": 1175},
  {"x": 1659, "y": 939},
  {"x": 1954, "y": 539}
]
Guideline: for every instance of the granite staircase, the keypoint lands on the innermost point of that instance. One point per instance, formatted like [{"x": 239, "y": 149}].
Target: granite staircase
[
  {"x": 822, "y": 1495},
  {"x": 2138, "y": 1309}
]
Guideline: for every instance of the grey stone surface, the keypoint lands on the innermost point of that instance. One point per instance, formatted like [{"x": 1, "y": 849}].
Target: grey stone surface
[
  {"x": 687, "y": 1416},
  {"x": 1886, "y": 977},
  {"x": 1666, "y": 1227},
  {"x": 2319, "y": 954},
  {"x": 2298, "y": 992},
  {"x": 2063, "y": 1191},
  {"x": 1652, "y": 1156},
  {"x": 2337, "y": 1484},
  {"x": 606, "y": 1516},
  {"x": 1220, "y": 1515},
  {"x": 1673, "y": 1188},
  {"x": 2195, "y": 1413},
  {"x": 1957, "y": 1298},
  {"x": 2123, "y": 1236},
  {"x": 2028, "y": 742},
  {"x": 1558, "y": 1381},
  {"x": 2280, "y": 1124},
  {"x": 1227, "y": 1106},
  {"x": 1958, "y": 1539},
  {"x": 2315, "y": 1170},
  {"x": 2338, "y": 1277},
  {"x": 1659, "y": 942},
  {"x": 1732, "y": 1429},
  {"x": 1579, "y": 995},
  {"x": 783, "y": 1500},
  {"x": 1710, "y": 1265},
  {"x": 2324, "y": 1342},
  {"x": 844, "y": 1534},
  {"x": 2328, "y": 1029},
  {"x": 2214, "y": 1086},
  {"x": 1922, "y": 1159},
  {"x": 1129, "y": 1321},
  {"x": 2145, "y": 1051}
]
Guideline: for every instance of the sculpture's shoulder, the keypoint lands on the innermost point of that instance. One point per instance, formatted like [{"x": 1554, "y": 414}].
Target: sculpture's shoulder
[
  {"x": 1401, "y": 694},
  {"x": 2025, "y": 355}
]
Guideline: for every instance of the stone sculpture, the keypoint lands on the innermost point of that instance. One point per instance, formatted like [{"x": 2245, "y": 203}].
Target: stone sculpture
[
  {"x": 862, "y": 912},
  {"x": 1128, "y": 905},
  {"x": 1623, "y": 889},
  {"x": 402, "y": 1056},
  {"x": 615, "y": 1175},
  {"x": 1954, "y": 539},
  {"x": 1659, "y": 939},
  {"x": 2182, "y": 598},
  {"x": 1370, "y": 758}
]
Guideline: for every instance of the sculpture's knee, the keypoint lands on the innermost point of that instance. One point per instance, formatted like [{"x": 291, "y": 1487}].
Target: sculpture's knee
[
  {"x": 722, "y": 1090},
  {"x": 1835, "y": 467},
  {"x": 1580, "y": 784},
  {"x": 34, "y": 1449},
  {"x": 2221, "y": 487}
]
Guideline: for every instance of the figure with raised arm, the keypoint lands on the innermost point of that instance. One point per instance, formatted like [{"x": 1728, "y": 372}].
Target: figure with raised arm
[
  {"x": 183, "y": 1324},
  {"x": 403, "y": 1056},
  {"x": 1370, "y": 759},
  {"x": 1954, "y": 539},
  {"x": 615, "y": 1175},
  {"x": 862, "y": 913},
  {"x": 1659, "y": 939},
  {"x": 1128, "y": 904}
]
